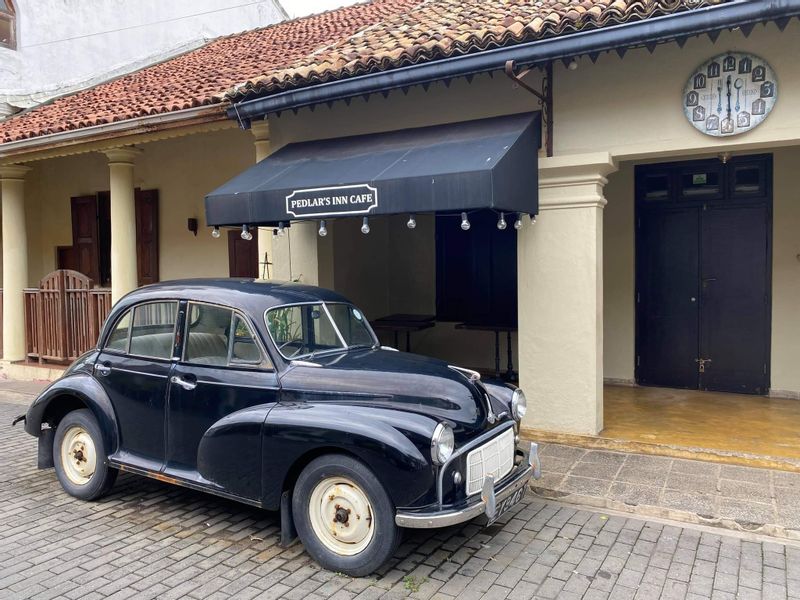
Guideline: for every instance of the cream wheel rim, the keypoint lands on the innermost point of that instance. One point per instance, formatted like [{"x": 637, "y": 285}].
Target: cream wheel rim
[
  {"x": 341, "y": 516},
  {"x": 78, "y": 455}
]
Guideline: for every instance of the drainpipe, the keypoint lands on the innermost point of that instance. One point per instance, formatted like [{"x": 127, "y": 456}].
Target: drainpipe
[{"x": 648, "y": 32}]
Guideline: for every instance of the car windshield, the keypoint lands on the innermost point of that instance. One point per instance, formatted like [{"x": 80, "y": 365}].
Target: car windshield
[{"x": 303, "y": 330}]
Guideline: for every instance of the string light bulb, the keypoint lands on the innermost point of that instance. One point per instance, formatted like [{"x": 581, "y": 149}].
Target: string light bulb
[
  {"x": 533, "y": 219},
  {"x": 323, "y": 231},
  {"x": 465, "y": 225},
  {"x": 215, "y": 232},
  {"x": 501, "y": 223},
  {"x": 365, "y": 226},
  {"x": 246, "y": 235},
  {"x": 518, "y": 223},
  {"x": 281, "y": 228},
  {"x": 412, "y": 222}
]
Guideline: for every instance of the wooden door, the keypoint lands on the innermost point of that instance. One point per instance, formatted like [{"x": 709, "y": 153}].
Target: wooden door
[
  {"x": 85, "y": 236},
  {"x": 147, "y": 236},
  {"x": 668, "y": 298},
  {"x": 242, "y": 254},
  {"x": 734, "y": 308},
  {"x": 703, "y": 271}
]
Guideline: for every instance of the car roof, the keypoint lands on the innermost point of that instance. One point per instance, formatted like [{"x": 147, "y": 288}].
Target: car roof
[{"x": 253, "y": 295}]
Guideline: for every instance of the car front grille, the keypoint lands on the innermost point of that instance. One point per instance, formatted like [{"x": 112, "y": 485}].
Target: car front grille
[{"x": 495, "y": 457}]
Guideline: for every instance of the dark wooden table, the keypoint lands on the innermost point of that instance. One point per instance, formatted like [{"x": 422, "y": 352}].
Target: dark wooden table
[
  {"x": 403, "y": 322},
  {"x": 508, "y": 329}
]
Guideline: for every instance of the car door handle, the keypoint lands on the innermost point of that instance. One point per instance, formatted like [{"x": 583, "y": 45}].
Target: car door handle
[
  {"x": 102, "y": 369},
  {"x": 184, "y": 383}
]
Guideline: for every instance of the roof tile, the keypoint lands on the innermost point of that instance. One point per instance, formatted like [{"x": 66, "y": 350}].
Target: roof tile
[{"x": 351, "y": 41}]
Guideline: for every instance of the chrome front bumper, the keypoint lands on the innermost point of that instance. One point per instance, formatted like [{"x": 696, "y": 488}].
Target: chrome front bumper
[{"x": 491, "y": 497}]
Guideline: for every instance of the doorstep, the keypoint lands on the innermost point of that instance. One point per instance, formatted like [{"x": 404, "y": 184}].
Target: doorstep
[
  {"x": 30, "y": 371},
  {"x": 742, "y": 498},
  {"x": 596, "y": 442}
]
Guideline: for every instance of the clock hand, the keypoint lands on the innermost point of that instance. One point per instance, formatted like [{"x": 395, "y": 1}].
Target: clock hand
[{"x": 729, "y": 96}]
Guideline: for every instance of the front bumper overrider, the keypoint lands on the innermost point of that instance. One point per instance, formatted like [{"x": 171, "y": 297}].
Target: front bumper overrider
[{"x": 486, "y": 504}]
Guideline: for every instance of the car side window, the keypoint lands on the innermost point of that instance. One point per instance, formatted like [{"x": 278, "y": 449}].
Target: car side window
[
  {"x": 220, "y": 337},
  {"x": 153, "y": 329},
  {"x": 118, "y": 338}
]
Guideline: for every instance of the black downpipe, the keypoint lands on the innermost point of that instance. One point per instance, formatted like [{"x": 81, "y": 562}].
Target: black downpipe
[{"x": 685, "y": 24}]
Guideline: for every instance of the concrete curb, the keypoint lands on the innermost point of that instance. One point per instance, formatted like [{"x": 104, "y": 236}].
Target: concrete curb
[{"x": 644, "y": 510}]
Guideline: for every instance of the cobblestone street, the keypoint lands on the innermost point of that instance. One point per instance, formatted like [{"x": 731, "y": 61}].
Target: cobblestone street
[{"x": 152, "y": 540}]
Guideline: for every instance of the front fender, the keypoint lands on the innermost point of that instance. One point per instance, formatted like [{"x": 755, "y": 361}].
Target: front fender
[
  {"x": 394, "y": 444},
  {"x": 85, "y": 388}
]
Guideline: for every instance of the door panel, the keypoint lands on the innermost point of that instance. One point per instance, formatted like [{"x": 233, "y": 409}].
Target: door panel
[
  {"x": 136, "y": 388},
  {"x": 85, "y": 236},
  {"x": 242, "y": 254},
  {"x": 668, "y": 266},
  {"x": 196, "y": 447},
  {"x": 734, "y": 309}
]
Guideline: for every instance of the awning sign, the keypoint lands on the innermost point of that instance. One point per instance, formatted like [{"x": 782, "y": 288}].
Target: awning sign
[{"x": 332, "y": 201}]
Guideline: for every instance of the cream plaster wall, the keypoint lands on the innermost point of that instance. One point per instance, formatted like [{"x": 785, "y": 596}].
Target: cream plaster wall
[
  {"x": 618, "y": 276},
  {"x": 182, "y": 169}
]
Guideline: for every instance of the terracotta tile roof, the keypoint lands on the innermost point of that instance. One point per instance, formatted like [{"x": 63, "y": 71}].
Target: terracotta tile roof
[
  {"x": 363, "y": 38},
  {"x": 199, "y": 77},
  {"x": 441, "y": 28}
]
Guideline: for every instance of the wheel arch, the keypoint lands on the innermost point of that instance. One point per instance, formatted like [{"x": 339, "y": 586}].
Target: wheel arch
[{"x": 70, "y": 393}]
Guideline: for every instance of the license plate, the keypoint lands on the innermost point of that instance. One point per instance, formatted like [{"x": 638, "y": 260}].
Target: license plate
[{"x": 507, "y": 504}]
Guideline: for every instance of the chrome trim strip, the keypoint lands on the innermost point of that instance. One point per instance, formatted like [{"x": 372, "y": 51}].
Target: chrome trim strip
[
  {"x": 465, "y": 448},
  {"x": 454, "y": 517},
  {"x": 238, "y": 385},
  {"x": 115, "y": 368}
]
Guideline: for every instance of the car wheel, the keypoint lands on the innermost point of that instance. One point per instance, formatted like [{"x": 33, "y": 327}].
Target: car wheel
[
  {"x": 79, "y": 456},
  {"x": 344, "y": 516}
]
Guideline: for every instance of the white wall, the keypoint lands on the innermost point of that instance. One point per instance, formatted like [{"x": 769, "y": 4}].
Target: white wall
[{"x": 64, "y": 45}]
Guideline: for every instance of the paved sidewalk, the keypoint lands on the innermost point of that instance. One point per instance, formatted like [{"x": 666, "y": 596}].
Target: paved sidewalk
[
  {"x": 152, "y": 540},
  {"x": 753, "y": 499}
]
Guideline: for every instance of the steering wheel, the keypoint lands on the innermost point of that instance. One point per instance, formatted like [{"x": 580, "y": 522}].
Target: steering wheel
[{"x": 299, "y": 347}]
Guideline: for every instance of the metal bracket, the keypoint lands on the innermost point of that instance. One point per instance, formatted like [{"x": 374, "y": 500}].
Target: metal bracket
[{"x": 545, "y": 97}]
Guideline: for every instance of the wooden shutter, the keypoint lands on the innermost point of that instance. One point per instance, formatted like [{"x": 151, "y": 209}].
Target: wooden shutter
[
  {"x": 85, "y": 237},
  {"x": 147, "y": 236},
  {"x": 242, "y": 254}
]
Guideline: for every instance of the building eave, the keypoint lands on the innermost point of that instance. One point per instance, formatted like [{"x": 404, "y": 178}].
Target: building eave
[{"x": 129, "y": 131}]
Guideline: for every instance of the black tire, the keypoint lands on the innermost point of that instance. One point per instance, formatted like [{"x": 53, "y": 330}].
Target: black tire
[
  {"x": 103, "y": 477},
  {"x": 386, "y": 534}
]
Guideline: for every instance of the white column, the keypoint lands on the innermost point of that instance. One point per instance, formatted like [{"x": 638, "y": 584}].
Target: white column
[
  {"x": 260, "y": 131},
  {"x": 560, "y": 266},
  {"x": 296, "y": 253},
  {"x": 15, "y": 260},
  {"x": 123, "y": 221}
]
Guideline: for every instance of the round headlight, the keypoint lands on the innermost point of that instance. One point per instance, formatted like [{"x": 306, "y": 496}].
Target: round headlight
[
  {"x": 442, "y": 444},
  {"x": 519, "y": 404}
]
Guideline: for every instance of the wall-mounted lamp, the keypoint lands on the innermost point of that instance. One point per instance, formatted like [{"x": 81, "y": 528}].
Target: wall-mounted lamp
[{"x": 191, "y": 225}]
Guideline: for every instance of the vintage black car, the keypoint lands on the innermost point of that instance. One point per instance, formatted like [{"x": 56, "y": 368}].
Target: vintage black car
[{"x": 280, "y": 396}]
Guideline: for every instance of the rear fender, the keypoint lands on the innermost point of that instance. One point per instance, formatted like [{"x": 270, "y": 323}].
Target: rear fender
[
  {"x": 60, "y": 397},
  {"x": 394, "y": 444}
]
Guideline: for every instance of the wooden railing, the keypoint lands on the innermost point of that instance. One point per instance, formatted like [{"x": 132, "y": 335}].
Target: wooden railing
[{"x": 63, "y": 316}]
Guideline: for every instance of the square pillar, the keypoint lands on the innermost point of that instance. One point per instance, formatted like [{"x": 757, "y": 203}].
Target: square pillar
[
  {"x": 263, "y": 146},
  {"x": 296, "y": 253},
  {"x": 15, "y": 260},
  {"x": 560, "y": 266},
  {"x": 124, "y": 277}
]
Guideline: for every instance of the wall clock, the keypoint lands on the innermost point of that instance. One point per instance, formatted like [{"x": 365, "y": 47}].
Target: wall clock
[{"x": 730, "y": 94}]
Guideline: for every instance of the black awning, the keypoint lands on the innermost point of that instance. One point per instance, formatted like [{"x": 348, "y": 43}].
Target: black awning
[{"x": 488, "y": 163}]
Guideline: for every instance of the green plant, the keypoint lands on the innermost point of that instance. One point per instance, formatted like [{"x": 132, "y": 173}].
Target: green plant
[{"x": 412, "y": 583}]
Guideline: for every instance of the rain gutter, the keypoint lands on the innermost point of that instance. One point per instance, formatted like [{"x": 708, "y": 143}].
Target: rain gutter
[{"x": 743, "y": 14}]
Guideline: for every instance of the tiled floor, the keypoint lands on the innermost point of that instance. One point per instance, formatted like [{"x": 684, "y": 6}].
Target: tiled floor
[
  {"x": 735, "y": 423},
  {"x": 751, "y": 497}
]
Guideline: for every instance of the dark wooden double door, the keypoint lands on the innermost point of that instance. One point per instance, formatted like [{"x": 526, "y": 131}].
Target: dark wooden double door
[
  {"x": 703, "y": 274},
  {"x": 90, "y": 252}
]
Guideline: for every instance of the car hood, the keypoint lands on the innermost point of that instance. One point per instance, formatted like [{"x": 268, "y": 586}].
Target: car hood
[{"x": 392, "y": 379}]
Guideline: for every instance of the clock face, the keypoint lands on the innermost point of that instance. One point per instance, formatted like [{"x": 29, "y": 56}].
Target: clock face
[{"x": 730, "y": 94}]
